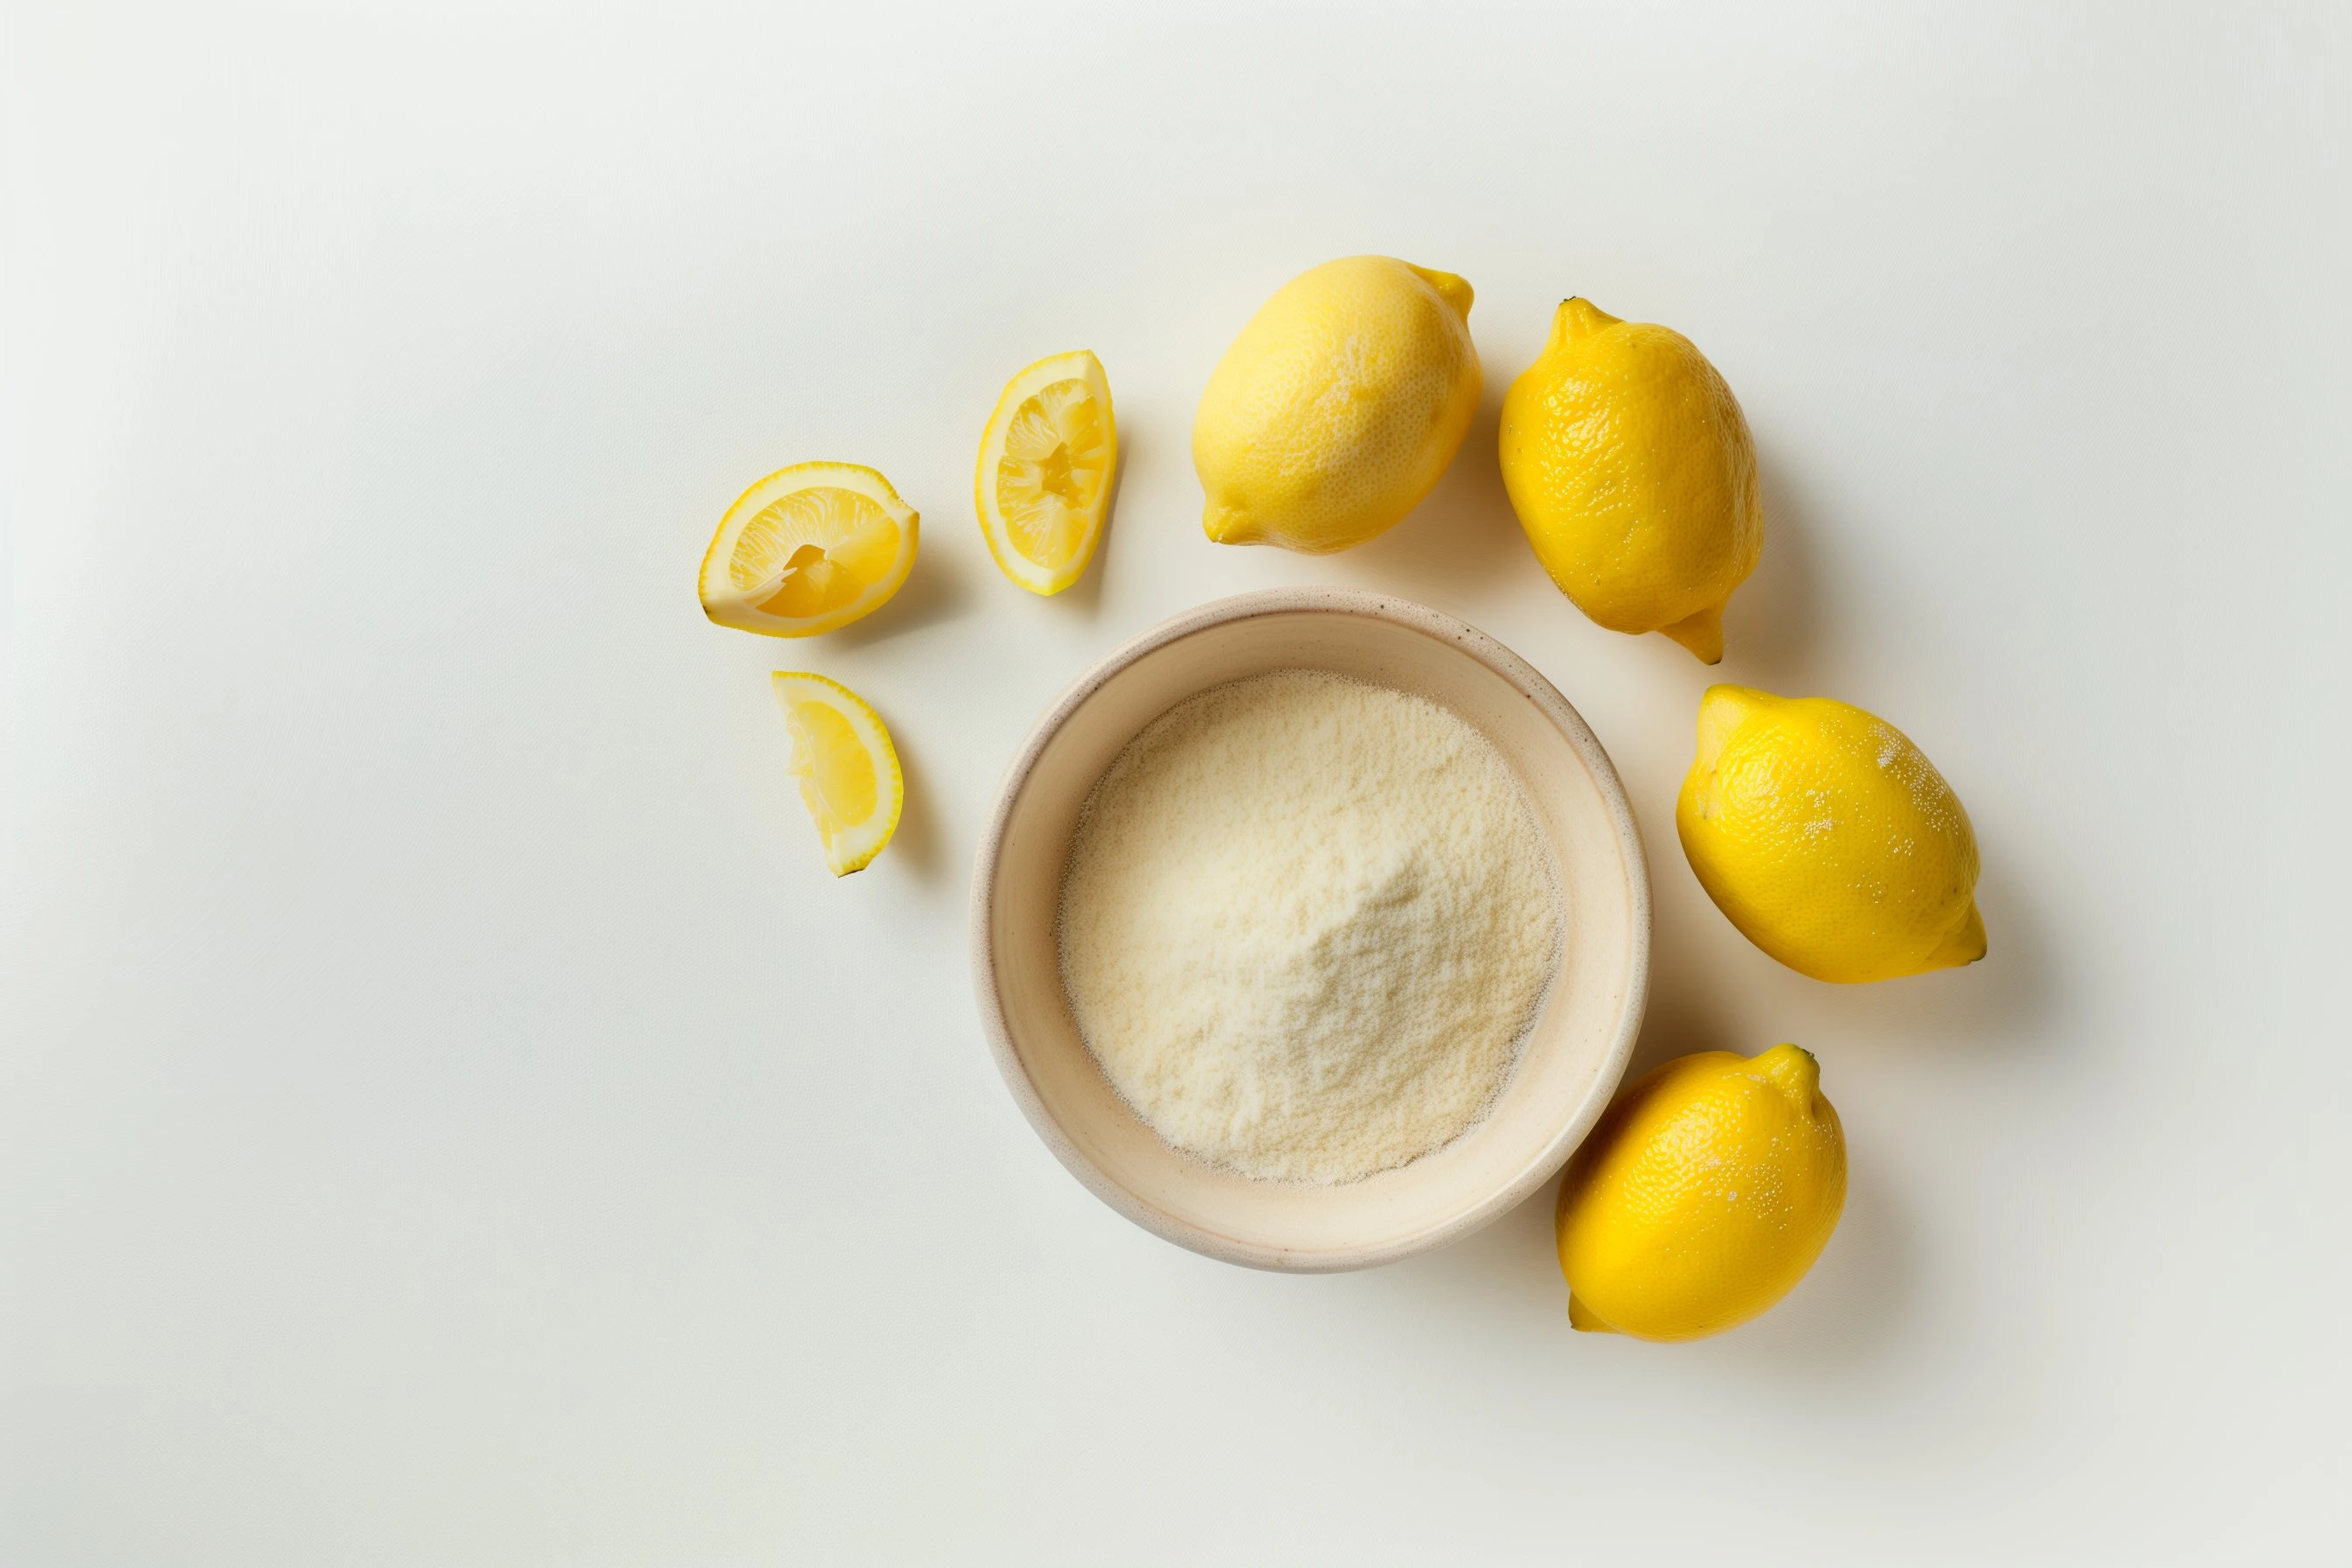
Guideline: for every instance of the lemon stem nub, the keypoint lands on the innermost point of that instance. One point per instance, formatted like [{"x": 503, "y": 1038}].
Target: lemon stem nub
[
  {"x": 1721, "y": 711},
  {"x": 1701, "y": 633},
  {"x": 1965, "y": 945},
  {"x": 1795, "y": 1070},
  {"x": 1581, "y": 1318},
  {"x": 1579, "y": 318},
  {"x": 1455, "y": 291}
]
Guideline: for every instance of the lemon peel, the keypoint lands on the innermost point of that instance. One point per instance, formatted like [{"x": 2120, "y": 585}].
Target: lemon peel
[
  {"x": 1338, "y": 408},
  {"x": 1047, "y": 458},
  {"x": 808, "y": 549},
  {"x": 1702, "y": 1196},
  {"x": 1828, "y": 838},
  {"x": 846, "y": 767},
  {"x": 1634, "y": 475}
]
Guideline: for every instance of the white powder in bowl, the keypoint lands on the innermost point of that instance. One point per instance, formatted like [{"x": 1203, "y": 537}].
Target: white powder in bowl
[{"x": 1306, "y": 925}]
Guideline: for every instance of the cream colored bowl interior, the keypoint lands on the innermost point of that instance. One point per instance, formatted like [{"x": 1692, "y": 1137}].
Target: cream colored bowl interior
[{"x": 1574, "y": 1055}]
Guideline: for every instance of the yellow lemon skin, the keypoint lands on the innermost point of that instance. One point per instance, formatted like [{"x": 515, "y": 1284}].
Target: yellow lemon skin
[
  {"x": 1827, "y": 838},
  {"x": 1702, "y": 1196},
  {"x": 1338, "y": 408},
  {"x": 1632, "y": 469},
  {"x": 845, "y": 765}
]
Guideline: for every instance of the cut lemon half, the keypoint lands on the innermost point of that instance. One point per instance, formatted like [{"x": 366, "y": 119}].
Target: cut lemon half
[
  {"x": 847, "y": 769},
  {"x": 1046, "y": 467},
  {"x": 807, "y": 549}
]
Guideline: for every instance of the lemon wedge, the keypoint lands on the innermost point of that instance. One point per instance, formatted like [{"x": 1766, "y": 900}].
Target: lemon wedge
[
  {"x": 807, "y": 549},
  {"x": 1045, "y": 464},
  {"x": 847, "y": 769}
]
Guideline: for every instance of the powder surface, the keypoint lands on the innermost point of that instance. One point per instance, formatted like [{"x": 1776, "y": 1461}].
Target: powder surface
[{"x": 1306, "y": 924}]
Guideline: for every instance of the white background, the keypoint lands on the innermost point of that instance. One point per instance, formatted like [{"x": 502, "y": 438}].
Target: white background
[{"x": 447, "y": 1115}]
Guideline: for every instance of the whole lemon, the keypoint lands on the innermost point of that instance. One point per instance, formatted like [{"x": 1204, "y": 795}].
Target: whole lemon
[
  {"x": 1826, "y": 836},
  {"x": 1702, "y": 1196},
  {"x": 1338, "y": 406},
  {"x": 1632, "y": 469}
]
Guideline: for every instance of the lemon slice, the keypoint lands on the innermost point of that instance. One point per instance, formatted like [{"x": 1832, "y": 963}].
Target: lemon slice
[
  {"x": 847, "y": 768},
  {"x": 807, "y": 549},
  {"x": 1045, "y": 466}
]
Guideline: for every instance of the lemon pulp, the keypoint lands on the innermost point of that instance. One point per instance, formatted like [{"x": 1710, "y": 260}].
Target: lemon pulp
[
  {"x": 1054, "y": 467},
  {"x": 807, "y": 549},
  {"x": 1043, "y": 490},
  {"x": 845, "y": 765},
  {"x": 827, "y": 753},
  {"x": 822, "y": 547}
]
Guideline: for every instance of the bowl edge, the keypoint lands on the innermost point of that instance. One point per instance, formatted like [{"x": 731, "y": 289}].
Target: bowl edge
[{"x": 1430, "y": 622}]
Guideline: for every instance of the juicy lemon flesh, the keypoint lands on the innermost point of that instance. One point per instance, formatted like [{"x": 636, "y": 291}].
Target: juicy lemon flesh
[
  {"x": 1827, "y": 838},
  {"x": 1632, "y": 469},
  {"x": 1703, "y": 1196},
  {"x": 1338, "y": 406},
  {"x": 808, "y": 549},
  {"x": 822, "y": 547},
  {"x": 846, "y": 766},
  {"x": 1043, "y": 485},
  {"x": 1050, "y": 480},
  {"x": 835, "y": 772}
]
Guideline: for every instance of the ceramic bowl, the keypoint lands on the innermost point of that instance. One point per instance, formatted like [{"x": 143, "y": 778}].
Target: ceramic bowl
[{"x": 1574, "y": 1054}]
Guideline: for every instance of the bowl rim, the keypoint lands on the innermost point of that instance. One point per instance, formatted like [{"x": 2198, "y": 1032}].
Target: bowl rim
[{"x": 1433, "y": 623}]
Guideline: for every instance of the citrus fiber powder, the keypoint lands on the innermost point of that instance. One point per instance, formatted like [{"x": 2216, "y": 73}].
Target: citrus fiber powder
[{"x": 1306, "y": 924}]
